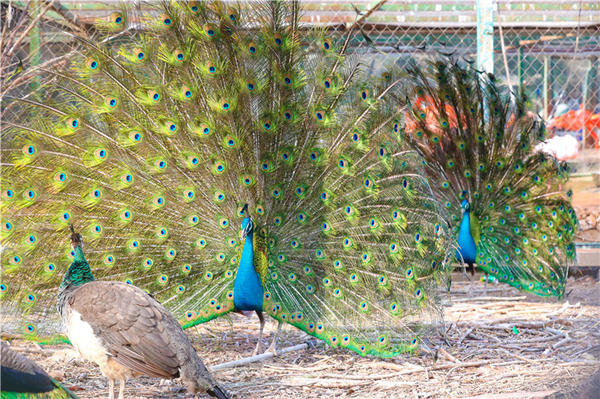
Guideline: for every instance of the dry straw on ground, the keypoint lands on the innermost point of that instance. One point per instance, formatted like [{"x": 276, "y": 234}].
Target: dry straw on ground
[{"x": 499, "y": 344}]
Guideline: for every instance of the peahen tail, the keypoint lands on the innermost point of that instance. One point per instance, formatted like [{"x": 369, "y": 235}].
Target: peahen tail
[
  {"x": 157, "y": 146},
  {"x": 479, "y": 144},
  {"x": 198, "y": 379}
]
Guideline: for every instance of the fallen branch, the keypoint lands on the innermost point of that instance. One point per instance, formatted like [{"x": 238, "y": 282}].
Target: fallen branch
[
  {"x": 489, "y": 299},
  {"x": 259, "y": 358},
  {"x": 465, "y": 335},
  {"x": 448, "y": 356},
  {"x": 512, "y": 395}
]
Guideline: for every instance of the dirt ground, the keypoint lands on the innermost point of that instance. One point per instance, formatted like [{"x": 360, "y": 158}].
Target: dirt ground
[
  {"x": 499, "y": 344},
  {"x": 586, "y": 200}
]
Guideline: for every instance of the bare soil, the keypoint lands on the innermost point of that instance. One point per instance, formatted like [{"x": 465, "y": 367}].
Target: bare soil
[{"x": 499, "y": 344}]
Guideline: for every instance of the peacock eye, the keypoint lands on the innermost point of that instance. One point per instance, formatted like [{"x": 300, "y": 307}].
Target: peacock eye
[
  {"x": 116, "y": 18},
  {"x": 92, "y": 64},
  {"x": 166, "y": 20}
]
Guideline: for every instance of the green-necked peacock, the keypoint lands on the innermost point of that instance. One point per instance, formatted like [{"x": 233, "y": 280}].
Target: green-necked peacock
[
  {"x": 225, "y": 159},
  {"x": 508, "y": 212}
]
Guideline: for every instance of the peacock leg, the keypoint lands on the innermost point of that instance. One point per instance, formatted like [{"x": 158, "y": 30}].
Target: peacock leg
[
  {"x": 261, "y": 318},
  {"x": 273, "y": 347},
  {"x": 485, "y": 286},
  {"x": 122, "y": 389},
  {"x": 111, "y": 388}
]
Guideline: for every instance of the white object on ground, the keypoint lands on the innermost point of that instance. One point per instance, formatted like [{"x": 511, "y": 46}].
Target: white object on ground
[{"x": 561, "y": 147}]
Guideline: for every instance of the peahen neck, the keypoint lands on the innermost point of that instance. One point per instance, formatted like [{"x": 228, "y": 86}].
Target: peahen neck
[
  {"x": 467, "y": 248},
  {"x": 79, "y": 272},
  {"x": 247, "y": 288}
]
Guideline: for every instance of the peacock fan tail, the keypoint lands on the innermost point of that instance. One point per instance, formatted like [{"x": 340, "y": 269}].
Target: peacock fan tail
[
  {"x": 508, "y": 212},
  {"x": 158, "y": 147}
]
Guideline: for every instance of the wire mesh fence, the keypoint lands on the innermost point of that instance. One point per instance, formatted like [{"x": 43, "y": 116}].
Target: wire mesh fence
[{"x": 548, "y": 48}]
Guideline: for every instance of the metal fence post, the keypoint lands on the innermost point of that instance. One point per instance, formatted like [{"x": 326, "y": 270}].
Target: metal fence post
[
  {"x": 485, "y": 35},
  {"x": 520, "y": 67},
  {"x": 546, "y": 77}
]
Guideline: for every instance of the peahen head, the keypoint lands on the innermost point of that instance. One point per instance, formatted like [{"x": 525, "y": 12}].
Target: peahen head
[
  {"x": 465, "y": 206},
  {"x": 76, "y": 239}
]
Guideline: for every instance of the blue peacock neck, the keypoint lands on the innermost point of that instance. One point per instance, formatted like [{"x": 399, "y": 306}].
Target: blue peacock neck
[
  {"x": 467, "y": 247},
  {"x": 247, "y": 288}
]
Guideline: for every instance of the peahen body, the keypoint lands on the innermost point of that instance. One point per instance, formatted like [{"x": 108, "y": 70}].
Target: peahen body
[
  {"x": 22, "y": 378},
  {"x": 217, "y": 115},
  {"x": 510, "y": 217},
  {"x": 126, "y": 331}
]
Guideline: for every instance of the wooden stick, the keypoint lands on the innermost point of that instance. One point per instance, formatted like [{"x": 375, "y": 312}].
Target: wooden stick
[
  {"x": 465, "y": 335},
  {"x": 489, "y": 299},
  {"x": 258, "y": 358},
  {"x": 512, "y": 395},
  {"x": 448, "y": 356}
]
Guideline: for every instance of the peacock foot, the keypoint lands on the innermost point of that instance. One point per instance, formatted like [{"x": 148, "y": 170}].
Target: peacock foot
[
  {"x": 257, "y": 349},
  {"x": 272, "y": 349}
]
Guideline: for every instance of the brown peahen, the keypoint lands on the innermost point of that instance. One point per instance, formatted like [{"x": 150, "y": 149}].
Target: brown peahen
[{"x": 126, "y": 331}]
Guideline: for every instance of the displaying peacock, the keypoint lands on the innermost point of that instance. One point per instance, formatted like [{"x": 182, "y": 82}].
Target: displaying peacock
[
  {"x": 225, "y": 159},
  {"x": 509, "y": 215},
  {"x": 23, "y": 378}
]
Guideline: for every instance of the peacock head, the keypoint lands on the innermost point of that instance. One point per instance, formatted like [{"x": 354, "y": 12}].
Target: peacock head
[
  {"x": 465, "y": 206},
  {"x": 247, "y": 227},
  {"x": 76, "y": 239},
  {"x": 247, "y": 224}
]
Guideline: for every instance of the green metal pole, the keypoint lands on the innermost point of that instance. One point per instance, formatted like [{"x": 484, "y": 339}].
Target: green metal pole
[
  {"x": 584, "y": 100},
  {"x": 485, "y": 35},
  {"x": 520, "y": 68},
  {"x": 35, "y": 43},
  {"x": 592, "y": 99},
  {"x": 546, "y": 75}
]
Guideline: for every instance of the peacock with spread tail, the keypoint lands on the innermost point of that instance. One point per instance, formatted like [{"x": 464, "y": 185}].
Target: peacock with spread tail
[
  {"x": 508, "y": 211},
  {"x": 226, "y": 159}
]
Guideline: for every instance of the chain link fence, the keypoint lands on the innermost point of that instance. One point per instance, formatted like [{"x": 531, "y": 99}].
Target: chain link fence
[{"x": 549, "y": 48}]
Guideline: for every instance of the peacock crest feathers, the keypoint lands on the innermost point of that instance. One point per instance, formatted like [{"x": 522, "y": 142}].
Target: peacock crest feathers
[
  {"x": 153, "y": 146},
  {"x": 478, "y": 141}
]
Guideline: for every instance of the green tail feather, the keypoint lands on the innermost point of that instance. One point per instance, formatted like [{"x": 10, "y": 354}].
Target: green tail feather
[
  {"x": 59, "y": 392},
  {"x": 152, "y": 146}
]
